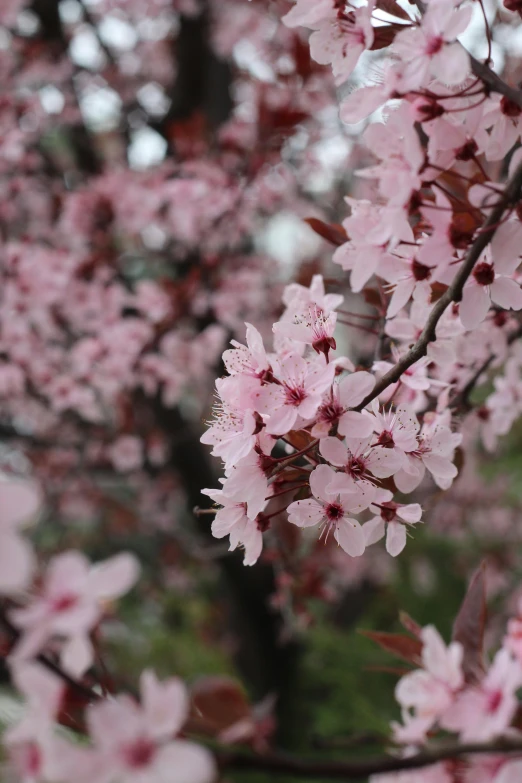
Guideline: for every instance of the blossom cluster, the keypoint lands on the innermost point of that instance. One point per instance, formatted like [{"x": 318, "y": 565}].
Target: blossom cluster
[
  {"x": 58, "y": 612},
  {"x": 353, "y": 443},
  {"x": 470, "y": 705}
]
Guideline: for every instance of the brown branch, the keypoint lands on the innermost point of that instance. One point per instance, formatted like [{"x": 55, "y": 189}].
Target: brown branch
[
  {"x": 510, "y": 197},
  {"x": 494, "y": 82},
  {"x": 83, "y": 690},
  {"x": 283, "y": 764},
  {"x": 461, "y": 399}
]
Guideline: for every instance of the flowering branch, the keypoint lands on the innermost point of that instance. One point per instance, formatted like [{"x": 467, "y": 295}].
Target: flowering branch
[
  {"x": 354, "y": 770},
  {"x": 509, "y": 198}
]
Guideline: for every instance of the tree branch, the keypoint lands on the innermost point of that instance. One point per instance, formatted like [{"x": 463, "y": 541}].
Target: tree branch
[
  {"x": 510, "y": 196},
  {"x": 494, "y": 82},
  {"x": 360, "y": 768}
]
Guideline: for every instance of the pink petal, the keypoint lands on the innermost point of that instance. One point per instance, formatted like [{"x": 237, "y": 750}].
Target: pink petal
[
  {"x": 355, "y": 425},
  {"x": 320, "y": 478},
  {"x": 350, "y": 536},
  {"x": 474, "y": 306},
  {"x": 354, "y": 388},
  {"x": 373, "y": 530},
  {"x": 507, "y": 293},
  {"x": 334, "y": 451},
  {"x": 305, "y": 513},
  {"x": 166, "y": 704},
  {"x": 395, "y": 538},
  {"x": 411, "y": 513},
  {"x": 115, "y": 576},
  {"x": 19, "y": 501},
  {"x": 17, "y": 563},
  {"x": 183, "y": 762}
]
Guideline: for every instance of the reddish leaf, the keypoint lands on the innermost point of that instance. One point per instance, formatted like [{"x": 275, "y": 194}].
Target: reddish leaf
[
  {"x": 385, "y": 35},
  {"x": 469, "y": 625},
  {"x": 398, "y": 644},
  {"x": 218, "y": 703},
  {"x": 437, "y": 289},
  {"x": 372, "y": 297},
  {"x": 393, "y": 8},
  {"x": 410, "y": 624},
  {"x": 332, "y": 232},
  {"x": 299, "y": 439}
]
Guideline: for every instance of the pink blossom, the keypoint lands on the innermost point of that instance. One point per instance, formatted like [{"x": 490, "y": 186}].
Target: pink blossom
[
  {"x": 19, "y": 502},
  {"x": 70, "y": 604},
  {"x": 329, "y": 510},
  {"x": 232, "y": 520},
  {"x": 135, "y": 742},
  {"x": 427, "y": 694},
  {"x": 393, "y": 519},
  {"x": 126, "y": 453},
  {"x": 431, "y": 49},
  {"x": 489, "y": 282},
  {"x": 341, "y": 41},
  {"x": 484, "y": 712},
  {"x": 298, "y": 395}
]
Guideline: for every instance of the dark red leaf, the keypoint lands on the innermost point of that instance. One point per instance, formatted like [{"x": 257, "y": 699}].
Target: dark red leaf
[
  {"x": 332, "y": 232},
  {"x": 410, "y": 624},
  {"x": 384, "y": 36},
  {"x": 372, "y": 297},
  {"x": 393, "y": 8},
  {"x": 405, "y": 647},
  {"x": 469, "y": 625},
  {"x": 217, "y": 704}
]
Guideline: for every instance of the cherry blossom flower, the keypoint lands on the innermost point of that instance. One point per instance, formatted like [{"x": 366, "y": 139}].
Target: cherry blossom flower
[
  {"x": 484, "y": 712},
  {"x": 427, "y": 694},
  {"x": 431, "y": 49},
  {"x": 70, "y": 604},
  {"x": 329, "y": 510},
  {"x": 489, "y": 282},
  {"x": 19, "y": 502},
  {"x": 393, "y": 519},
  {"x": 232, "y": 520},
  {"x": 136, "y": 742},
  {"x": 298, "y": 395}
]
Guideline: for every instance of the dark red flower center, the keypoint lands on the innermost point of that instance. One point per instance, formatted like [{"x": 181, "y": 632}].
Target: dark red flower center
[
  {"x": 434, "y": 45},
  {"x": 484, "y": 273},
  {"x": 294, "y": 395},
  {"x": 334, "y": 511},
  {"x": 140, "y": 753},
  {"x": 420, "y": 271}
]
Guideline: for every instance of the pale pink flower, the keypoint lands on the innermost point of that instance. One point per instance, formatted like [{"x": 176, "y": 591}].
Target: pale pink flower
[
  {"x": 485, "y": 711},
  {"x": 397, "y": 144},
  {"x": 436, "y": 447},
  {"x": 298, "y": 395},
  {"x": 341, "y": 40},
  {"x": 135, "y": 743},
  {"x": 70, "y": 604},
  {"x": 19, "y": 503},
  {"x": 428, "y": 693},
  {"x": 330, "y": 511},
  {"x": 431, "y": 49},
  {"x": 247, "y": 482},
  {"x": 232, "y": 520},
  {"x": 306, "y": 13},
  {"x": 126, "y": 453},
  {"x": 315, "y": 328},
  {"x": 351, "y": 392},
  {"x": 392, "y": 518},
  {"x": 489, "y": 282},
  {"x": 29, "y": 742},
  {"x": 232, "y": 431},
  {"x": 359, "y": 459},
  {"x": 250, "y": 359}
]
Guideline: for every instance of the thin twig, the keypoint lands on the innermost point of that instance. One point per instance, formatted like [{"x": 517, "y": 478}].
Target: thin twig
[
  {"x": 453, "y": 294},
  {"x": 360, "y": 768}
]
